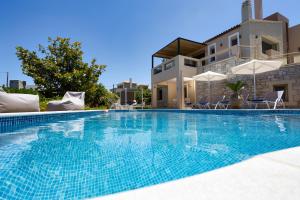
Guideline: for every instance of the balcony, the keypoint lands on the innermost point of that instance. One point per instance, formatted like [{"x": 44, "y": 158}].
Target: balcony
[
  {"x": 170, "y": 68},
  {"x": 220, "y": 62}
]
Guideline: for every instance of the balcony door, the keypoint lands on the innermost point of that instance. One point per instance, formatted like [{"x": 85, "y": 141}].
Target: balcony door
[{"x": 162, "y": 96}]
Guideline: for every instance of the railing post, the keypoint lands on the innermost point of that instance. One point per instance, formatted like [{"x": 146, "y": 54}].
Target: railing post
[
  {"x": 152, "y": 61},
  {"x": 178, "y": 47}
]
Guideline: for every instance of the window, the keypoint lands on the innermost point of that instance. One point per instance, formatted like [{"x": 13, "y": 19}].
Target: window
[
  {"x": 190, "y": 63},
  {"x": 212, "y": 51},
  {"x": 159, "y": 94},
  {"x": 268, "y": 45},
  {"x": 233, "y": 40},
  {"x": 185, "y": 91},
  {"x": 283, "y": 87},
  {"x": 299, "y": 49}
]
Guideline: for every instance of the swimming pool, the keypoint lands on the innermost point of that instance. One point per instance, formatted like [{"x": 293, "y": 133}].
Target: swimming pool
[{"x": 75, "y": 156}]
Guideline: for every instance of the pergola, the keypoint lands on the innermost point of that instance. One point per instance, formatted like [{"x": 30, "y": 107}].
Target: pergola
[{"x": 179, "y": 46}]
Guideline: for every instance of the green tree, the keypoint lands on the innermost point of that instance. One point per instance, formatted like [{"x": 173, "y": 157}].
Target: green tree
[
  {"x": 146, "y": 94},
  {"x": 59, "y": 68},
  {"x": 101, "y": 97}
]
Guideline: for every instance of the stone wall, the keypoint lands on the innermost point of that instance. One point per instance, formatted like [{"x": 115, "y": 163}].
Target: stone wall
[{"x": 288, "y": 75}]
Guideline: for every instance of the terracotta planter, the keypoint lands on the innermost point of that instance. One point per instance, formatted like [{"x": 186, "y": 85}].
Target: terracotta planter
[{"x": 236, "y": 101}]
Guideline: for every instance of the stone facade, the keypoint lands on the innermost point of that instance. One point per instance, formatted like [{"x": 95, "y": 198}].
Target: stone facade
[{"x": 288, "y": 76}]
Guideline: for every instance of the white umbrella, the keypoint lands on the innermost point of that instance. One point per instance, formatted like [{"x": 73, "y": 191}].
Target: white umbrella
[
  {"x": 255, "y": 67},
  {"x": 209, "y": 76}
]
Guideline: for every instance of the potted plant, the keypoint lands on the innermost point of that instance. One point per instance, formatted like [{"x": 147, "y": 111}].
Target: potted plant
[{"x": 236, "y": 99}]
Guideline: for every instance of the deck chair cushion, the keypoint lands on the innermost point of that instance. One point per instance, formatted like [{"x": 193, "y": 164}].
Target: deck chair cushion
[{"x": 11, "y": 102}]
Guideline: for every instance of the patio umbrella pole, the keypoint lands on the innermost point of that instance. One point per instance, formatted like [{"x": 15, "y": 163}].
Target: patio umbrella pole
[
  {"x": 254, "y": 84},
  {"x": 209, "y": 91}
]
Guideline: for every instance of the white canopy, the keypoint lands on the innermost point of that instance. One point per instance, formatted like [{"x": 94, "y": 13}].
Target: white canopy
[
  {"x": 209, "y": 76},
  {"x": 256, "y": 67}
]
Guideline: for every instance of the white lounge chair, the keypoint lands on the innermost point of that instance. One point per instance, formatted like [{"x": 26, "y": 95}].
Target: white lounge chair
[
  {"x": 271, "y": 98},
  {"x": 12, "y": 102},
  {"x": 245, "y": 96},
  {"x": 279, "y": 100},
  {"x": 224, "y": 103},
  {"x": 70, "y": 101}
]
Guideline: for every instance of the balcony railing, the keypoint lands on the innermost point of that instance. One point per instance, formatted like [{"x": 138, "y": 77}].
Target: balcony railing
[
  {"x": 190, "y": 62},
  {"x": 169, "y": 65},
  {"x": 157, "y": 69},
  {"x": 166, "y": 65}
]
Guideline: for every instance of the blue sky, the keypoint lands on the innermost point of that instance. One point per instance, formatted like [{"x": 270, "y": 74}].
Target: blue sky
[{"x": 122, "y": 34}]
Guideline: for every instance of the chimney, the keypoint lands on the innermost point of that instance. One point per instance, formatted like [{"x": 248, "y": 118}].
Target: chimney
[
  {"x": 258, "y": 9},
  {"x": 246, "y": 10},
  {"x": 130, "y": 83}
]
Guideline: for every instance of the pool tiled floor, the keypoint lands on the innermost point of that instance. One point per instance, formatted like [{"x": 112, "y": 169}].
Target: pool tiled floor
[{"x": 273, "y": 176}]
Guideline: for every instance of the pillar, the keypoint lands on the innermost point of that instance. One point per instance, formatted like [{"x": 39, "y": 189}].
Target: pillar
[
  {"x": 179, "y": 91},
  {"x": 154, "y": 95}
]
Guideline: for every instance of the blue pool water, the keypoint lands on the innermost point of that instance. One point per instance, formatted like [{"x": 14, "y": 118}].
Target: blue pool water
[{"x": 95, "y": 155}]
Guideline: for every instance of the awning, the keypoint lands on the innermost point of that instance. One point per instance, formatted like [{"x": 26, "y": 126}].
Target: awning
[{"x": 180, "y": 46}]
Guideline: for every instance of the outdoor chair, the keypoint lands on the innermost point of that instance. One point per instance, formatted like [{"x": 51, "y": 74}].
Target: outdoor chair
[
  {"x": 70, "y": 101},
  {"x": 271, "y": 98},
  {"x": 245, "y": 98},
  {"x": 279, "y": 100},
  {"x": 11, "y": 102},
  {"x": 224, "y": 103},
  {"x": 136, "y": 105},
  {"x": 187, "y": 102},
  {"x": 203, "y": 103}
]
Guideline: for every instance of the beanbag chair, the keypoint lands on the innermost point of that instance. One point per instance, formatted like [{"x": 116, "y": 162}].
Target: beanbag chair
[
  {"x": 70, "y": 101},
  {"x": 12, "y": 102}
]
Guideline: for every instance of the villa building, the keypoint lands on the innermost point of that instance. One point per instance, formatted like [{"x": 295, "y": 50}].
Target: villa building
[
  {"x": 126, "y": 91},
  {"x": 17, "y": 84},
  {"x": 269, "y": 38}
]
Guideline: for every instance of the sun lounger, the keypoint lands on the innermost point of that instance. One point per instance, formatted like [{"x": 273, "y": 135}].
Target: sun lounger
[
  {"x": 118, "y": 106},
  {"x": 202, "y": 103},
  {"x": 271, "y": 98},
  {"x": 245, "y": 97},
  {"x": 70, "y": 101},
  {"x": 279, "y": 100},
  {"x": 187, "y": 102},
  {"x": 11, "y": 102},
  {"x": 223, "y": 103}
]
